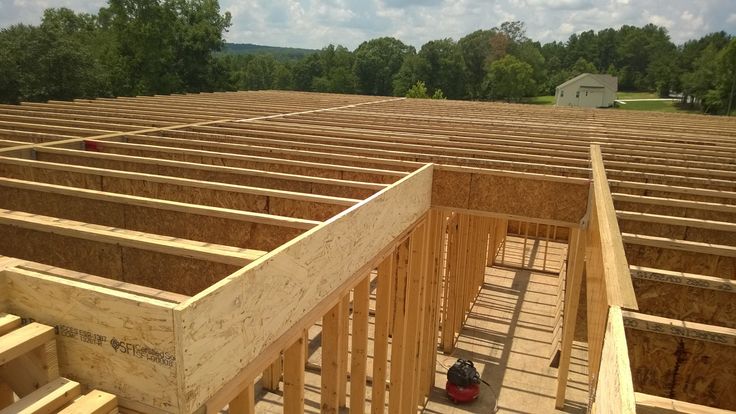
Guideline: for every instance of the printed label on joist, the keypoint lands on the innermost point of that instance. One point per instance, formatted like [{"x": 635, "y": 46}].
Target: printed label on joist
[
  {"x": 127, "y": 337},
  {"x": 665, "y": 326},
  {"x": 684, "y": 279},
  {"x": 124, "y": 348}
]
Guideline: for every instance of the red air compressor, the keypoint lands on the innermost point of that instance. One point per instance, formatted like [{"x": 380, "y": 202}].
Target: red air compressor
[{"x": 462, "y": 382}]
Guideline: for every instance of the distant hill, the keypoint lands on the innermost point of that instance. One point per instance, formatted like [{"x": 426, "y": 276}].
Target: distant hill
[{"x": 280, "y": 53}]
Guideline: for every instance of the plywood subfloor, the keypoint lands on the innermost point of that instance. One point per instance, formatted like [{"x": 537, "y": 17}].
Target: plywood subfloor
[{"x": 508, "y": 335}]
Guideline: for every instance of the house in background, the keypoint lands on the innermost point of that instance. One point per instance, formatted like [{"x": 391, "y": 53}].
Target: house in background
[{"x": 588, "y": 91}]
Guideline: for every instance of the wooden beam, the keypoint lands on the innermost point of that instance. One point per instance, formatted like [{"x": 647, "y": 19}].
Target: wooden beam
[
  {"x": 677, "y": 221},
  {"x": 685, "y": 279},
  {"x": 575, "y": 267},
  {"x": 386, "y": 271},
  {"x": 331, "y": 337},
  {"x": 47, "y": 399},
  {"x": 246, "y": 216},
  {"x": 94, "y": 402},
  {"x": 344, "y": 365},
  {"x": 618, "y": 287},
  {"x": 8, "y": 323},
  {"x": 184, "y": 165},
  {"x": 671, "y": 188},
  {"x": 24, "y": 340},
  {"x": 171, "y": 149},
  {"x": 359, "y": 348},
  {"x": 139, "y": 240},
  {"x": 244, "y": 403},
  {"x": 272, "y": 375},
  {"x": 683, "y": 329},
  {"x": 682, "y": 245},
  {"x": 185, "y": 182},
  {"x": 615, "y": 389},
  {"x": 652, "y": 404},
  {"x": 415, "y": 293},
  {"x": 675, "y": 202},
  {"x": 295, "y": 358},
  {"x": 398, "y": 393}
]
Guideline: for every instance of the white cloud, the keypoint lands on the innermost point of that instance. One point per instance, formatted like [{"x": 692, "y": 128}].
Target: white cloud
[{"x": 659, "y": 20}]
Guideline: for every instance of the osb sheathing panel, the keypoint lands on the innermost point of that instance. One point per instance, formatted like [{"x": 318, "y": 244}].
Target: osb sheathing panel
[
  {"x": 97, "y": 162},
  {"x": 683, "y": 369},
  {"x": 62, "y": 206},
  {"x": 157, "y": 270},
  {"x": 67, "y": 178},
  {"x": 199, "y": 227},
  {"x": 670, "y": 231},
  {"x": 303, "y": 209},
  {"x": 173, "y": 273},
  {"x": 100, "y": 335},
  {"x": 686, "y": 303},
  {"x": 553, "y": 200},
  {"x": 75, "y": 254},
  {"x": 257, "y": 165},
  {"x": 368, "y": 177},
  {"x": 708, "y": 375},
  {"x": 340, "y": 191},
  {"x": 681, "y": 261},
  {"x": 212, "y": 176},
  {"x": 208, "y": 229},
  {"x": 665, "y": 194},
  {"x": 653, "y": 360},
  {"x": 225, "y": 199}
]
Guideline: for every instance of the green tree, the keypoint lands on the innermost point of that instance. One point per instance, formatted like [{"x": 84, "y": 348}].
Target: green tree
[
  {"x": 509, "y": 79},
  {"x": 438, "y": 94},
  {"x": 419, "y": 91},
  {"x": 259, "y": 73},
  {"x": 441, "y": 67},
  {"x": 475, "y": 49},
  {"x": 408, "y": 75},
  {"x": 727, "y": 68},
  {"x": 582, "y": 66},
  {"x": 166, "y": 45},
  {"x": 377, "y": 61}
]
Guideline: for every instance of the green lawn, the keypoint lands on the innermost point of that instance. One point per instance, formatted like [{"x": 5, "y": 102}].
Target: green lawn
[
  {"x": 542, "y": 100},
  {"x": 636, "y": 95},
  {"x": 659, "y": 106},
  {"x": 656, "y": 106}
]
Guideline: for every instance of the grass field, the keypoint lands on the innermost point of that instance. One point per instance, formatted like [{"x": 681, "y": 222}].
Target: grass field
[
  {"x": 654, "y": 106},
  {"x": 657, "y": 106},
  {"x": 636, "y": 95},
  {"x": 542, "y": 100}
]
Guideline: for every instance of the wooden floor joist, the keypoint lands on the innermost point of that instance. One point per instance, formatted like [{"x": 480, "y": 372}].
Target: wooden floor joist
[
  {"x": 184, "y": 248},
  {"x": 684, "y": 329},
  {"x": 239, "y": 219}
]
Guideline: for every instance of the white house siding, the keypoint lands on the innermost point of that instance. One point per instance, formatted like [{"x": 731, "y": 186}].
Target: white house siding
[{"x": 586, "y": 91}]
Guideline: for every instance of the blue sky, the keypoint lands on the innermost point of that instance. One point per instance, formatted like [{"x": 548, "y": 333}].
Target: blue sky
[{"x": 317, "y": 23}]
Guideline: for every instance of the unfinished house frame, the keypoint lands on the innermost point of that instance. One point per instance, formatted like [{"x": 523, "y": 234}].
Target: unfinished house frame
[{"x": 167, "y": 252}]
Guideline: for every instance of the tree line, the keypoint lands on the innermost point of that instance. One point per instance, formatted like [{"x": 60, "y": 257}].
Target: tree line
[{"x": 138, "y": 47}]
